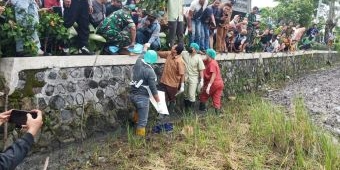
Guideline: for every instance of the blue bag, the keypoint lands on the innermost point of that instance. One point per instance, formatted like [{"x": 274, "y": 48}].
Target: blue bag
[
  {"x": 137, "y": 49},
  {"x": 113, "y": 49}
]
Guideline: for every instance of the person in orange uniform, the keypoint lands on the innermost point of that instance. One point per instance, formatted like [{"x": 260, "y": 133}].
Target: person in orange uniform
[{"x": 213, "y": 83}]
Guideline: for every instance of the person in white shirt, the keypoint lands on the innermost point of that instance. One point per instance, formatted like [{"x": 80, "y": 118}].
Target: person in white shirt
[
  {"x": 273, "y": 45},
  {"x": 194, "y": 20},
  {"x": 234, "y": 22},
  {"x": 240, "y": 41}
]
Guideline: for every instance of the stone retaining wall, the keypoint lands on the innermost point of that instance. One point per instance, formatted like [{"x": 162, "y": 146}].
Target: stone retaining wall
[{"x": 82, "y": 95}]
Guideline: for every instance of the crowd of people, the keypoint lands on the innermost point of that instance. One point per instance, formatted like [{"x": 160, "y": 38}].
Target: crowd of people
[{"x": 123, "y": 25}]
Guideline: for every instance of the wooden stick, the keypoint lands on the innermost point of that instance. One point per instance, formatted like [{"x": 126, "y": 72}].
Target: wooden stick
[
  {"x": 46, "y": 163},
  {"x": 6, "y": 124}
]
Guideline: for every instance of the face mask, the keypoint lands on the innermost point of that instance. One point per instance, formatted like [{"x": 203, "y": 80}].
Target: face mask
[
  {"x": 190, "y": 50},
  {"x": 205, "y": 58}
]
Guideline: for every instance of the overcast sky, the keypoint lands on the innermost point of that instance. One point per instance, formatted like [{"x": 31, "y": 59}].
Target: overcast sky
[{"x": 263, "y": 3}]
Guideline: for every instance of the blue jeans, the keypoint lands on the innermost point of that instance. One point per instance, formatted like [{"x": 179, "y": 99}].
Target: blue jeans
[
  {"x": 141, "y": 102},
  {"x": 204, "y": 45},
  {"x": 23, "y": 9},
  {"x": 196, "y": 32}
]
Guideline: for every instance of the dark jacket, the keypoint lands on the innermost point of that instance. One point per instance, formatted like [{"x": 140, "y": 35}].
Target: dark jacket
[
  {"x": 14, "y": 154},
  {"x": 219, "y": 14},
  {"x": 110, "y": 9},
  {"x": 99, "y": 12},
  {"x": 143, "y": 71}
]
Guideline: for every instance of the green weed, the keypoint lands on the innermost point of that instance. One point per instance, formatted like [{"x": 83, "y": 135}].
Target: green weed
[{"x": 252, "y": 133}]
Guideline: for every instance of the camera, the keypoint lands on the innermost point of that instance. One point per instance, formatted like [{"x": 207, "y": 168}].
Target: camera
[{"x": 19, "y": 117}]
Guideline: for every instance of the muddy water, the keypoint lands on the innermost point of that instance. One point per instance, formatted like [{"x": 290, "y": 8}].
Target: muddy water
[{"x": 321, "y": 93}]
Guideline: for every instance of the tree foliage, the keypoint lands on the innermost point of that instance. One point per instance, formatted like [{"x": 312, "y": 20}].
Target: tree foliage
[
  {"x": 157, "y": 5},
  {"x": 298, "y": 11}
]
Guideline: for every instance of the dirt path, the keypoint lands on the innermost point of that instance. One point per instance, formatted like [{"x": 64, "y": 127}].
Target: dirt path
[
  {"x": 321, "y": 92},
  {"x": 80, "y": 152}
]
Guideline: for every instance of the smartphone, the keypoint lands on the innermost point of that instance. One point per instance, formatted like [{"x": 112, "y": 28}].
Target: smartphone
[{"x": 19, "y": 117}]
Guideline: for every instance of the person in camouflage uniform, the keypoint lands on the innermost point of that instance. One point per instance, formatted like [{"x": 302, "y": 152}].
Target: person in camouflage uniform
[
  {"x": 252, "y": 23},
  {"x": 119, "y": 29}
]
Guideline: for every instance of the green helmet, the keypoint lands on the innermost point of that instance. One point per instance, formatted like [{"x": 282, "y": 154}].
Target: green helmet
[
  {"x": 150, "y": 57},
  {"x": 195, "y": 46},
  {"x": 211, "y": 53}
]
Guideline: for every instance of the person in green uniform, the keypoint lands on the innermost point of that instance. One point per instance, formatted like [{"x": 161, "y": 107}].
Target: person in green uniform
[
  {"x": 119, "y": 29},
  {"x": 252, "y": 23}
]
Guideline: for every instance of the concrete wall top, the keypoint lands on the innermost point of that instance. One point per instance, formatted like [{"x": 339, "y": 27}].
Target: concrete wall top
[{"x": 10, "y": 67}]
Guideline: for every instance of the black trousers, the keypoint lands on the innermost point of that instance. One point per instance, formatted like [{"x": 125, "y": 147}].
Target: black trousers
[
  {"x": 78, "y": 12},
  {"x": 175, "y": 29}
]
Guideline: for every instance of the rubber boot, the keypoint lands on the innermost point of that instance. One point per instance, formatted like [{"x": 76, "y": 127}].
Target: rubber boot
[
  {"x": 140, "y": 131},
  {"x": 135, "y": 117},
  {"x": 186, "y": 105},
  {"x": 202, "y": 107},
  {"x": 171, "y": 108},
  {"x": 192, "y": 105},
  {"x": 217, "y": 111}
]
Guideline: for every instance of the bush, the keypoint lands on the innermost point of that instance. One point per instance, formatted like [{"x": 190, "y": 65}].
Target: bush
[
  {"x": 319, "y": 46},
  {"x": 52, "y": 33},
  {"x": 10, "y": 31},
  {"x": 337, "y": 44},
  {"x": 50, "y": 29}
]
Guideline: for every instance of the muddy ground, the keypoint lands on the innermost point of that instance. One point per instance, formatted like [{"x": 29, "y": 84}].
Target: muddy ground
[
  {"x": 320, "y": 90},
  {"x": 79, "y": 152},
  {"x": 321, "y": 93}
]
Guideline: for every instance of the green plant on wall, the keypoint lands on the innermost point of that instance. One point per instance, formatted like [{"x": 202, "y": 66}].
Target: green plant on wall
[
  {"x": 337, "y": 42},
  {"x": 52, "y": 31},
  {"x": 10, "y": 31}
]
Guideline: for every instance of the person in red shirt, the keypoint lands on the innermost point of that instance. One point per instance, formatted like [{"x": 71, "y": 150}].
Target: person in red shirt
[
  {"x": 213, "y": 83},
  {"x": 51, "y": 3}
]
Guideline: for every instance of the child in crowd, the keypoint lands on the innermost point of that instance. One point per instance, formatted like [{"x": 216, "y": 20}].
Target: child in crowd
[
  {"x": 240, "y": 41},
  {"x": 273, "y": 45}
]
